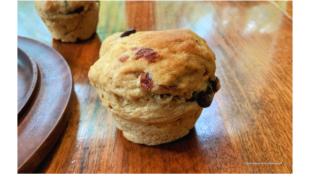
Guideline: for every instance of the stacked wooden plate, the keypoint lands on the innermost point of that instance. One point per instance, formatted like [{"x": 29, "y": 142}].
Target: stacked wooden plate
[{"x": 45, "y": 99}]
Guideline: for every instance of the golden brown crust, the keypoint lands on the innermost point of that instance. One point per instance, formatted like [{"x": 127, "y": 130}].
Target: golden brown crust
[{"x": 185, "y": 62}]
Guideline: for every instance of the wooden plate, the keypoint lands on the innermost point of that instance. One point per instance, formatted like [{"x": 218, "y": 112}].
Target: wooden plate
[
  {"x": 47, "y": 112},
  {"x": 27, "y": 75}
]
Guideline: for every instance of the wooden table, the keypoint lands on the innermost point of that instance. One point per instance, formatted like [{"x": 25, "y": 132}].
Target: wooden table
[{"x": 248, "y": 127}]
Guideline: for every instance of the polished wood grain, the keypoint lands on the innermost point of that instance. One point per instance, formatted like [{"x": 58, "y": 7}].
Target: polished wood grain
[
  {"x": 47, "y": 112},
  {"x": 248, "y": 127},
  {"x": 27, "y": 76}
]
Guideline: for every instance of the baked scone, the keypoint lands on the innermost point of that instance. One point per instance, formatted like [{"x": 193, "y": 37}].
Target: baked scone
[
  {"x": 69, "y": 20},
  {"x": 155, "y": 83}
]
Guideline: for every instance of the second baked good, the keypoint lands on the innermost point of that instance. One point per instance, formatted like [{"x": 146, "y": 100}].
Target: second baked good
[{"x": 69, "y": 20}]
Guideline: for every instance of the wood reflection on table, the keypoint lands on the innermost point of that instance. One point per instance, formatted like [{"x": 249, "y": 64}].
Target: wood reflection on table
[{"x": 250, "y": 119}]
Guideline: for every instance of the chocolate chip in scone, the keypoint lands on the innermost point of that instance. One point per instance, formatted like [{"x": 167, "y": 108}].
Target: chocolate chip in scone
[
  {"x": 205, "y": 98},
  {"x": 146, "y": 81},
  {"x": 194, "y": 96},
  {"x": 128, "y": 32}
]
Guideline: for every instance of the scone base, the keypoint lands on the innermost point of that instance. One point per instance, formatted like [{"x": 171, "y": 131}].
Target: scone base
[
  {"x": 155, "y": 134},
  {"x": 160, "y": 140}
]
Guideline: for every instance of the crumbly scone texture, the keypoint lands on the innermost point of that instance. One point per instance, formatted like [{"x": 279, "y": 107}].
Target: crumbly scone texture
[
  {"x": 185, "y": 61},
  {"x": 179, "y": 62},
  {"x": 69, "y": 21},
  {"x": 155, "y": 134}
]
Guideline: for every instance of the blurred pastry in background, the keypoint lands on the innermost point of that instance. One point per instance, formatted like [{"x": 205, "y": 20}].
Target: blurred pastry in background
[{"x": 69, "y": 21}]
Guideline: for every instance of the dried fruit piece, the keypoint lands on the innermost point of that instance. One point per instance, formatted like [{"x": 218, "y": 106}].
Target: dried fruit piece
[
  {"x": 214, "y": 83},
  {"x": 123, "y": 58},
  {"x": 146, "y": 81},
  {"x": 203, "y": 98},
  {"x": 205, "y": 73},
  {"x": 147, "y": 53}
]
